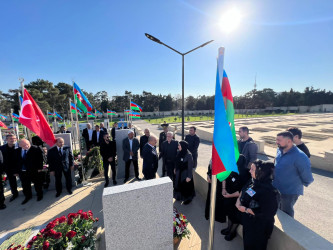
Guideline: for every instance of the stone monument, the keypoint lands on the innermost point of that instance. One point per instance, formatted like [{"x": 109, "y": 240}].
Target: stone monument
[{"x": 139, "y": 215}]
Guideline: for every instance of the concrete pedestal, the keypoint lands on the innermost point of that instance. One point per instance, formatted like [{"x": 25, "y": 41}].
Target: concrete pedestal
[{"x": 139, "y": 215}]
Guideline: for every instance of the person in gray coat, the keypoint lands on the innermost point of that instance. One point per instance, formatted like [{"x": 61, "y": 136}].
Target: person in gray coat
[
  {"x": 131, "y": 146},
  {"x": 247, "y": 146}
]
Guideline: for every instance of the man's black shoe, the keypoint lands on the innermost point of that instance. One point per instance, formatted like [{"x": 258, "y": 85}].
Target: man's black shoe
[
  {"x": 39, "y": 198},
  {"x": 70, "y": 191},
  {"x": 106, "y": 184},
  {"x": 114, "y": 182},
  {"x": 13, "y": 198},
  {"x": 187, "y": 202},
  {"x": 58, "y": 194},
  {"x": 139, "y": 179},
  {"x": 3, "y": 206},
  {"x": 125, "y": 180},
  {"x": 25, "y": 201}
]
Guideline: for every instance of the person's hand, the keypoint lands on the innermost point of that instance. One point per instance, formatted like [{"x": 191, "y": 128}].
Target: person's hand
[
  {"x": 227, "y": 195},
  {"x": 110, "y": 159},
  {"x": 224, "y": 191},
  {"x": 249, "y": 210},
  {"x": 208, "y": 179},
  {"x": 241, "y": 209},
  {"x": 72, "y": 168},
  {"x": 188, "y": 179},
  {"x": 52, "y": 173}
]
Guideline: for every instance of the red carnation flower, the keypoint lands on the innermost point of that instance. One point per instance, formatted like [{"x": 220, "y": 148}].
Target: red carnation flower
[
  {"x": 96, "y": 219},
  {"x": 83, "y": 238},
  {"x": 70, "y": 221},
  {"x": 50, "y": 225},
  {"x": 70, "y": 234},
  {"x": 72, "y": 215},
  {"x": 62, "y": 219},
  {"x": 84, "y": 216},
  {"x": 80, "y": 211},
  {"x": 46, "y": 245},
  {"x": 34, "y": 238},
  {"x": 58, "y": 235},
  {"x": 28, "y": 246},
  {"x": 42, "y": 231}
]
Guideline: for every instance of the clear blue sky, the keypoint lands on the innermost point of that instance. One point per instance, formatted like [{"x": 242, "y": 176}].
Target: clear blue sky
[{"x": 101, "y": 44}]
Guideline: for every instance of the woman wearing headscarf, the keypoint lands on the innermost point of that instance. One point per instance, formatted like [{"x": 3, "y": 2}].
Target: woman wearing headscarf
[
  {"x": 258, "y": 203},
  {"x": 183, "y": 183}
]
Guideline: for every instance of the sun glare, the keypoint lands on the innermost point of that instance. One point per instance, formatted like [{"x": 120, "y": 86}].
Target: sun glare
[{"x": 230, "y": 20}]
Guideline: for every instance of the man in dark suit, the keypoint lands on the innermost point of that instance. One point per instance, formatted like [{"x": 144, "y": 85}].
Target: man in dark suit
[
  {"x": 30, "y": 164},
  {"x": 108, "y": 153},
  {"x": 87, "y": 135},
  {"x": 193, "y": 144},
  {"x": 60, "y": 159},
  {"x": 162, "y": 136},
  {"x": 2, "y": 197},
  {"x": 131, "y": 146},
  {"x": 144, "y": 140},
  {"x": 10, "y": 164},
  {"x": 103, "y": 129},
  {"x": 113, "y": 131},
  {"x": 63, "y": 130},
  {"x": 150, "y": 159},
  {"x": 169, "y": 153},
  {"x": 97, "y": 136}
]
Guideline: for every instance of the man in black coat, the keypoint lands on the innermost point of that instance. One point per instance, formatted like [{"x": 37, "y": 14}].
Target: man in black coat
[
  {"x": 30, "y": 163},
  {"x": 169, "y": 153},
  {"x": 150, "y": 159},
  {"x": 144, "y": 140},
  {"x": 131, "y": 146},
  {"x": 193, "y": 144},
  {"x": 113, "y": 131},
  {"x": 97, "y": 136},
  {"x": 103, "y": 128},
  {"x": 63, "y": 130},
  {"x": 247, "y": 146},
  {"x": 108, "y": 152},
  {"x": 2, "y": 197},
  {"x": 60, "y": 159},
  {"x": 87, "y": 135},
  {"x": 162, "y": 136},
  {"x": 10, "y": 164}
]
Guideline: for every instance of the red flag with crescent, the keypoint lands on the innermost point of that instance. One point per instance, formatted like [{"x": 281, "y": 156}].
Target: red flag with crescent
[
  {"x": 33, "y": 118},
  {"x": 3, "y": 125}
]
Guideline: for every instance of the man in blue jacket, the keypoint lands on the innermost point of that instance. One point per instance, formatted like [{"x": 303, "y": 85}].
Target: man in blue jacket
[{"x": 292, "y": 172}]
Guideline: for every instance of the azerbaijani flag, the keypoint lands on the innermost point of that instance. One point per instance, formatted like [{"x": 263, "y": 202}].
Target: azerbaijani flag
[
  {"x": 135, "y": 106},
  {"x": 15, "y": 117},
  {"x": 21, "y": 99},
  {"x": 3, "y": 125},
  {"x": 128, "y": 111},
  {"x": 58, "y": 116},
  {"x": 110, "y": 112},
  {"x": 81, "y": 100},
  {"x": 224, "y": 152},
  {"x": 96, "y": 111},
  {"x": 3, "y": 117},
  {"x": 74, "y": 109},
  {"x": 91, "y": 114},
  {"x": 50, "y": 114},
  {"x": 135, "y": 115}
]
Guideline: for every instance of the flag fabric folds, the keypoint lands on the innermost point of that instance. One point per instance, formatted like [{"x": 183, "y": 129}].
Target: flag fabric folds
[
  {"x": 33, "y": 118},
  {"x": 58, "y": 116},
  {"x": 128, "y": 111},
  {"x": 21, "y": 99},
  {"x": 74, "y": 109},
  {"x": 135, "y": 115},
  {"x": 223, "y": 150},
  {"x": 15, "y": 117},
  {"x": 135, "y": 106},
  {"x": 110, "y": 112},
  {"x": 91, "y": 114},
  {"x": 3, "y": 117},
  {"x": 81, "y": 100},
  {"x": 49, "y": 114},
  {"x": 97, "y": 112},
  {"x": 3, "y": 125}
]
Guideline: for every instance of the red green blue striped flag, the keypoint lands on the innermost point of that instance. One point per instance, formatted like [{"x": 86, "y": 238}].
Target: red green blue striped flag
[
  {"x": 3, "y": 117},
  {"x": 15, "y": 117},
  {"x": 49, "y": 114},
  {"x": 110, "y": 112},
  {"x": 135, "y": 115},
  {"x": 91, "y": 114},
  {"x": 225, "y": 150},
  {"x": 81, "y": 100},
  {"x": 97, "y": 112},
  {"x": 135, "y": 106}
]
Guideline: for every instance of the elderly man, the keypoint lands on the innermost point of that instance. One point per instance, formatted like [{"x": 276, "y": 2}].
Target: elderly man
[
  {"x": 103, "y": 128},
  {"x": 131, "y": 146},
  {"x": 193, "y": 144},
  {"x": 87, "y": 135},
  {"x": 97, "y": 136},
  {"x": 292, "y": 172},
  {"x": 60, "y": 159},
  {"x": 144, "y": 140},
  {"x": 30, "y": 164},
  {"x": 63, "y": 130},
  {"x": 169, "y": 153},
  {"x": 150, "y": 159},
  {"x": 10, "y": 163}
]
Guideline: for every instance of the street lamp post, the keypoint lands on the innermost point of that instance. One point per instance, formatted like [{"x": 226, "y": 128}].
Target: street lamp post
[{"x": 154, "y": 39}]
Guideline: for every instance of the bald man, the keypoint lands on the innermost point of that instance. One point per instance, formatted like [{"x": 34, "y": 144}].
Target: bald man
[
  {"x": 150, "y": 159},
  {"x": 30, "y": 164},
  {"x": 60, "y": 159}
]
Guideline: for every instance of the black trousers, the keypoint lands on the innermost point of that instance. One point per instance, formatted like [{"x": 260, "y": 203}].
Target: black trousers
[
  {"x": 127, "y": 167},
  {"x": 195, "y": 160},
  {"x": 2, "y": 197},
  {"x": 68, "y": 177},
  {"x": 169, "y": 167},
  {"x": 106, "y": 164},
  {"x": 89, "y": 144},
  {"x": 12, "y": 183},
  {"x": 26, "y": 180}
]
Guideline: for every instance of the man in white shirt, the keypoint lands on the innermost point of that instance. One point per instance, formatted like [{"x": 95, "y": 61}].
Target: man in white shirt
[
  {"x": 131, "y": 146},
  {"x": 87, "y": 135}
]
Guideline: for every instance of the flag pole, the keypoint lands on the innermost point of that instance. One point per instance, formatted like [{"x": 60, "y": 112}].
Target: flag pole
[
  {"x": 70, "y": 111},
  {"x": 13, "y": 124},
  {"x": 22, "y": 86}
]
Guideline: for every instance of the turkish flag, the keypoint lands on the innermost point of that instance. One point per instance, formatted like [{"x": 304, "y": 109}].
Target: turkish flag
[
  {"x": 3, "y": 125},
  {"x": 33, "y": 118}
]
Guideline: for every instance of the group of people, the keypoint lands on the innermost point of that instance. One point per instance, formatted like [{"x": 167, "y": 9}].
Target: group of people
[
  {"x": 27, "y": 161},
  {"x": 252, "y": 196}
]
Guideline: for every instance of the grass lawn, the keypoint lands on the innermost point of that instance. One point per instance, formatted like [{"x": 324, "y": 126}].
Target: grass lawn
[
  {"x": 19, "y": 239},
  {"x": 172, "y": 119}
]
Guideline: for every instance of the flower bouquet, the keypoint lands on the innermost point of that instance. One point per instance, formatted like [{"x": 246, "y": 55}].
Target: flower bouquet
[{"x": 180, "y": 229}]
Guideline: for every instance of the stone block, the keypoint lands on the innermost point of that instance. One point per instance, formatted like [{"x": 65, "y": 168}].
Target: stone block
[{"x": 139, "y": 215}]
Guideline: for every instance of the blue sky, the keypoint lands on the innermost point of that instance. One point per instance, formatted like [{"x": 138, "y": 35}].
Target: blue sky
[{"x": 101, "y": 44}]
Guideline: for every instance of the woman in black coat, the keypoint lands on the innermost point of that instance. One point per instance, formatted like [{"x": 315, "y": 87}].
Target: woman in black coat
[
  {"x": 258, "y": 203},
  {"x": 183, "y": 182}
]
